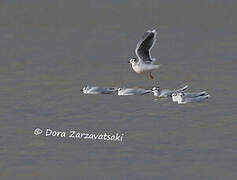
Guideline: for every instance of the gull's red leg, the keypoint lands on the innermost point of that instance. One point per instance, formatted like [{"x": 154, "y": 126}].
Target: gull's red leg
[{"x": 151, "y": 76}]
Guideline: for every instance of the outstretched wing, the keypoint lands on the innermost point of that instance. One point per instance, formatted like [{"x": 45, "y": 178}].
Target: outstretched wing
[
  {"x": 145, "y": 45},
  {"x": 182, "y": 89}
]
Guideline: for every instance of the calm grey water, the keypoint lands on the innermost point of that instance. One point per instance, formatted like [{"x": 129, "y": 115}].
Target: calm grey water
[{"x": 49, "y": 50}]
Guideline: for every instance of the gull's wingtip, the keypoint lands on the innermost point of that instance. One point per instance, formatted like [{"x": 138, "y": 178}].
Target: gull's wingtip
[
  {"x": 207, "y": 96},
  {"x": 151, "y": 31},
  {"x": 186, "y": 86}
]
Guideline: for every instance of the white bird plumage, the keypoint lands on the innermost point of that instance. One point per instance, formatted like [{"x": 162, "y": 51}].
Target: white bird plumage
[
  {"x": 144, "y": 63},
  {"x": 167, "y": 92},
  {"x": 98, "y": 90},
  {"x": 188, "y": 95},
  {"x": 132, "y": 91},
  {"x": 182, "y": 99}
]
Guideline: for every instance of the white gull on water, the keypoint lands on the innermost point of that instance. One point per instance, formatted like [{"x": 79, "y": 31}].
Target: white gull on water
[
  {"x": 144, "y": 64},
  {"x": 167, "y": 92},
  {"x": 132, "y": 91},
  {"x": 98, "y": 90},
  {"x": 188, "y": 95},
  {"x": 181, "y": 99}
]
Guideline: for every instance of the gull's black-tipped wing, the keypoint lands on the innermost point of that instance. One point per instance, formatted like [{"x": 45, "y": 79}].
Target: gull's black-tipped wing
[{"x": 145, "y": 45}]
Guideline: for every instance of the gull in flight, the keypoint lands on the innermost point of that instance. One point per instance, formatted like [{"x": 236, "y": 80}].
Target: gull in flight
[
  {"x": 144, "y": 62},
  {"x": 98, "y": 90},
  {"x": 181, "y": 99},
  {"x": 132, "y": 91},
  {"x": 167, "y": 92},
  {"x": 188, "y": 95}
]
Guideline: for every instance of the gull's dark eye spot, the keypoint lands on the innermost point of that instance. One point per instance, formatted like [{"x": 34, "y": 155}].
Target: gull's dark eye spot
[{"x": 134, "y": 59}]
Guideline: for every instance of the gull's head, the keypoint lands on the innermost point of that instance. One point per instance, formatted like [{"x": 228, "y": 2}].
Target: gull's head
[
  {"x": 84, "y": 89},
  {"x": 156, "y": 89},
  {"x": 119, "y": 89},
  {"x": 179, "y": 98},
  {"x": 174, "y": 94},
  {"x": 132, "y": 60},
  {"x": 175, "y": 97}
]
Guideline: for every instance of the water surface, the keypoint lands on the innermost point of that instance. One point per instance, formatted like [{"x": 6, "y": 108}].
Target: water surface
[{"x": 51, "y": 49}]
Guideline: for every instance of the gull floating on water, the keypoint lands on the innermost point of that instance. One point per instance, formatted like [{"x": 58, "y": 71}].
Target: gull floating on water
[
  {"x": 144, "y": 63},
  {"x": 167, "y": 92},
  {"x": 98, "y": 90},
  {"x": 188, "y": 95},
  {"x": 181, "y": 99},
  {"x": 132, "y": 91}
]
